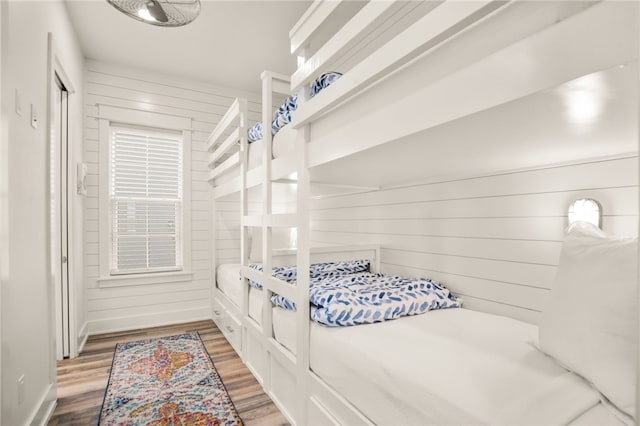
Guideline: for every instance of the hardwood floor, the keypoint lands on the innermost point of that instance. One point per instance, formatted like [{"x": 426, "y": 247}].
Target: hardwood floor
[{"x": 82, "y": 381}]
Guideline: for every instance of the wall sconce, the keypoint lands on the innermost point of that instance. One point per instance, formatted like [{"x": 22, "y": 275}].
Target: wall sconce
[{"x": 586, "y": 210}]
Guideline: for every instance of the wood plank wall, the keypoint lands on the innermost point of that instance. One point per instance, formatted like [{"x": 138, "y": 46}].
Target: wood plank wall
[
  {"x": 112, "y": 309},
  {"x": 494, "y": 240}
]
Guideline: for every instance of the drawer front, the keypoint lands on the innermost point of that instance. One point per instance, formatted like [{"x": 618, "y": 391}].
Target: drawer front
[
  {"x": 232, "y": 330},
  {"x": 217, "y": 312}
]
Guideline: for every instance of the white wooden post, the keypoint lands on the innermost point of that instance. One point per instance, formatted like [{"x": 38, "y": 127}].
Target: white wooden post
[
  {"x": 303, "y": 262},
  {"x": 244, "y": 211},
  {"x": 637, "y": 418},
  {"x": 267, "y": 258}
]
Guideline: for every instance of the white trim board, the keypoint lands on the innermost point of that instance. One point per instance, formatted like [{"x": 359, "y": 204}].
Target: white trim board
[
  {"x": 83, "y": 335},
  {"x": 121, "y": 115},
  {"x": 112, "y": 325},
  {"x": 47, "y": 405},
  {"x": 4, "y": 181}
]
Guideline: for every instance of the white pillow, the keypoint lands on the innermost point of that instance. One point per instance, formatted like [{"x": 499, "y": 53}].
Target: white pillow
[{"x": 590, "y": 324}]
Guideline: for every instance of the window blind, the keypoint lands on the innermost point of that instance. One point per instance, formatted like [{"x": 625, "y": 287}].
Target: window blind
[{"x": 146, "y": 200}]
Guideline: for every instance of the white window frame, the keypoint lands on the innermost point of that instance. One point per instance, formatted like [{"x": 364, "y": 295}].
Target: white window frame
[{"x": 110, "y": 116}]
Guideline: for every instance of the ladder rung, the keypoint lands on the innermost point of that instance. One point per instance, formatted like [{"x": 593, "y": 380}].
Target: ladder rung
[
  {"x": 272, "y": 220},
  {"x": 274, "y": 284}
]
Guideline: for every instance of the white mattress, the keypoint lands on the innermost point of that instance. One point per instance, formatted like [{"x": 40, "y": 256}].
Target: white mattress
[
  {"x": 447, "y": 367},
  {"x": 283, "y": 142},
  {"x": 228, "y": 278}
]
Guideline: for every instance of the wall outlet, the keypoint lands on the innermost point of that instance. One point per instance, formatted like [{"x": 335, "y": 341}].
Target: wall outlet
[
  {"x": 21, "y": 389},
  {"x": 34, "y": 117}
]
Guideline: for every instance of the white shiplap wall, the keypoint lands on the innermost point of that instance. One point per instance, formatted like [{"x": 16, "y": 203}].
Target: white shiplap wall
[
  {"x": 495, "y": 240},
  {"x": 120, "y": 308}
]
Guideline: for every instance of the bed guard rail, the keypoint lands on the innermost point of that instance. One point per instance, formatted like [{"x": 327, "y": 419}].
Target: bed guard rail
[
  {"x": 234, "y": 125},
  {"x": 438, "y": 24}
]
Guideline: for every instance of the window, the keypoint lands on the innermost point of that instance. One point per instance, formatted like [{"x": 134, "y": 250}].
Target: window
[
  {"x": 146, "y": 200},
  {"x": 144, "y": 210}
]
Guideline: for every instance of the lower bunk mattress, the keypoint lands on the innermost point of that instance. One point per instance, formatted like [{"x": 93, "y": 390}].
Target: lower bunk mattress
[{"x": 452, "y": 366}]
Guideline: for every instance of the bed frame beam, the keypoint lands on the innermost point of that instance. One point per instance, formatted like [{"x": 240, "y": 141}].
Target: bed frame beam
[
  {"x": 430, "y": 31},
  {"x": 310, "y": 22},
  {"x": 370, "y": 16}
]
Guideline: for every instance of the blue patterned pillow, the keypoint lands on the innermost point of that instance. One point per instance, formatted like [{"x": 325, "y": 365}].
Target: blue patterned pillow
[
  {"x": 347, "y": 267},
  {"x": 255, "y": 132},
  {"x": 289, "y": 104},
  {"x": 318, "y": 271},
  {"x": 322, "y": 82},
  {"x": 282, "y": 116},
  {"x": 280, "y": 121}
]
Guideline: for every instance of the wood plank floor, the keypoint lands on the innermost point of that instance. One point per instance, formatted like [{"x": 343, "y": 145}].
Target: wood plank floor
[{"x": 82, "y": 381}]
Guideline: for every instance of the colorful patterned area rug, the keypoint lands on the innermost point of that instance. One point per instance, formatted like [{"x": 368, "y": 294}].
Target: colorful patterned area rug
[{"x": 166, "y": 381}]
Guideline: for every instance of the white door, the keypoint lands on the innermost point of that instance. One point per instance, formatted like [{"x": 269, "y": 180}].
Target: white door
[{"x": 60, "y": 219}]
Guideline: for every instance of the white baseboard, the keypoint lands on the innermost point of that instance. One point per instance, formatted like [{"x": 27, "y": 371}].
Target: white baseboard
[
  {"x": 282, "y": 408},
  {"x": 110, "y": 325},
  {"x": 83, "y": 335},
  {"x": 43, "y": 412}
]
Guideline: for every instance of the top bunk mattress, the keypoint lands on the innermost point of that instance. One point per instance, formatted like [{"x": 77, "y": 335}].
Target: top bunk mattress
[{"x": 452, "y": 366}]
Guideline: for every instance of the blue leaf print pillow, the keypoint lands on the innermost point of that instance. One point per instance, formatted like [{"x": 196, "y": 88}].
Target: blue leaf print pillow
[{"x": 322, "y": 82}]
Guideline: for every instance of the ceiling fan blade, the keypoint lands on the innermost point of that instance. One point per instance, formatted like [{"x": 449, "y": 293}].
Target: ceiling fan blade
[{"x": 156, "y": 11}]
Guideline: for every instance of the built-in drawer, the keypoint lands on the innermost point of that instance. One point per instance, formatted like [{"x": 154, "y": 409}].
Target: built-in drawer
[
  {"x": 217, "y": 312},
  {"x": 232, "y": 329}
]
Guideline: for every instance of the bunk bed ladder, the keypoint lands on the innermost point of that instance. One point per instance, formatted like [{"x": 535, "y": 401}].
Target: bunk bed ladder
[{"x": 266, "y": 221}]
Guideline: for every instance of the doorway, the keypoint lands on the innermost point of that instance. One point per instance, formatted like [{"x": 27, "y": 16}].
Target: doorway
[
  {"x": 60, "y": 250},
  {"x": 62, "y": 292}
]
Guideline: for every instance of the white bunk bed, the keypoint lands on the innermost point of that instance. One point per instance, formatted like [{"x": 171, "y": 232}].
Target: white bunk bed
[
  {"x": 236, "y": 166},
  {"x": 230, "y": 148},
  {"x": 374, "y": 374}
]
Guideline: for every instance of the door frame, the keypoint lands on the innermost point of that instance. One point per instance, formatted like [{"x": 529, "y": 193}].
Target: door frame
[
  {"x": 4, "y": 174},
  {"x": 56, "y": 70}
]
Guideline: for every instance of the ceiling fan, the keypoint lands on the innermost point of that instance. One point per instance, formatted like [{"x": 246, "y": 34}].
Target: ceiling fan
[{"x": 163, "y": 13}]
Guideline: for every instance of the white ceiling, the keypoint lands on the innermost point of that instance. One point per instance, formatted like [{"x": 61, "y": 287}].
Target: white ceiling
[{"x": 229, "y": 44}]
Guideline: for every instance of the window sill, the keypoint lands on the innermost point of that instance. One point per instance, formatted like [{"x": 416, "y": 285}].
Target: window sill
[{"x": 144, "y": 279}]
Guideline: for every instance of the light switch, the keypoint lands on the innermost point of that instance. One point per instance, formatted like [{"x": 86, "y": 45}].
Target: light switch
[
  {"x": 34, "y": 117},
  {"x": 18, "y": 103}
]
